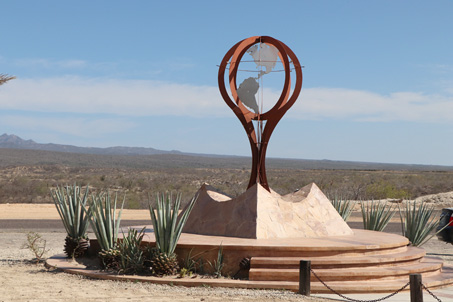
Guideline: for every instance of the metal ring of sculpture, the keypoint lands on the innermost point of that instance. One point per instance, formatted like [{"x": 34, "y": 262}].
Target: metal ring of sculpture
[{"x": 272, "y": 117}]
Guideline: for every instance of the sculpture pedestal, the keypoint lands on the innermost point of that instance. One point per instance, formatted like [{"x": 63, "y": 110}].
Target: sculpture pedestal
[{"x": 261, "y": 214}]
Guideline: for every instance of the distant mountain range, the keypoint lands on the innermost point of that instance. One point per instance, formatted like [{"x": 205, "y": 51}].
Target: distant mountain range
[
  {"x": 15, "y": 142},
  {"x": 150, "y": 157}
]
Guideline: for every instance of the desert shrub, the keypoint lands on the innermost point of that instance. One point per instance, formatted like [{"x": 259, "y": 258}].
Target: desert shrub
[
  {"x": 40, "y": 188},
  {"x": 37, "y": 245},
  {"x": 131, "y": 254},
  {"x": 70, "y": 202},
  {"x": 418, "y": 222},
  {"x": 140, "y": 175},
  {"x": 189, "y": 263},
  {"x": 383, "y": 190},
  {"x": 217, "y": 264},
  {"x": 376, "y": 215},
  {"x": 344, "y": 207},
  {"x": 105, "y": 224},
  {"x": 168, "y": 223},
  {"x": 135, "y": 200}
]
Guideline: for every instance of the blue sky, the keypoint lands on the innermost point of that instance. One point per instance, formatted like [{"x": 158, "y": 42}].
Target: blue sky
[{"x": 378, "y": 76}]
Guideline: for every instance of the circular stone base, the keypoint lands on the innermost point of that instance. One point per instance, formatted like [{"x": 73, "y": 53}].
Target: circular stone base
[{"x": 370, "y": 258}]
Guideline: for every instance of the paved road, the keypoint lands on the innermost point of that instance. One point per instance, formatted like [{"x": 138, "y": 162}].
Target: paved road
[
  {"x": 57, "y": 225},
  {"x": 50, "y": 224}
]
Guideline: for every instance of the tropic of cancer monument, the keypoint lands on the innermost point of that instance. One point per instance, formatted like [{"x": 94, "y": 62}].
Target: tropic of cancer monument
[{"x": 260, "y": 212}]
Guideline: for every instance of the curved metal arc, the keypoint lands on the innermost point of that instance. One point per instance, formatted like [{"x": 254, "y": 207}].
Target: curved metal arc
[
  {"x": 282, "y": 100},
  {"x": 299, "y": 79},
  {"x": 242, "y": 115},
  {"x": 238, "y": 53},
  {"x": 221, "y": 77},
  {"x": 250, "y": 130},
  {"x": 273, "y": 115}
]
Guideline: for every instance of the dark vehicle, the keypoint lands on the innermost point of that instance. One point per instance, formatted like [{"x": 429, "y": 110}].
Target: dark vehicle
[{"x": 446, "y": 218}]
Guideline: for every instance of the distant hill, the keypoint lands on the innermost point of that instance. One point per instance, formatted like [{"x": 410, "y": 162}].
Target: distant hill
[
  {"x": 14, "y": 142},
  {"x": 16, "y": 151}
]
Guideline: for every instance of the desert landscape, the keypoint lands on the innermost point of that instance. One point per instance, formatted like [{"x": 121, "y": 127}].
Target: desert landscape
[
  {"x": 237, "y": 158},
  {"x": 27, "y": 176}
]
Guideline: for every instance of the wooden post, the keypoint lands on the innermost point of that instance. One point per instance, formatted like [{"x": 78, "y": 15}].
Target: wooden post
[
  {"x": 304, "y": 277},
  {"x": 416, "y": 287}
]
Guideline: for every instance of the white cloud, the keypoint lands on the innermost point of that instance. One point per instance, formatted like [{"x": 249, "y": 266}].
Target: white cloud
[
  {"x": 321, "y": 103},
  {"x": 151, "y": 98},
  {"x": 80, "y": 127},
  {"x": 121, "y": 97}
]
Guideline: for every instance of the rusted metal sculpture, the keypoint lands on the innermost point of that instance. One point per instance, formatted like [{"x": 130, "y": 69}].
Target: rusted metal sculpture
[{"x": 272, "y": 117}]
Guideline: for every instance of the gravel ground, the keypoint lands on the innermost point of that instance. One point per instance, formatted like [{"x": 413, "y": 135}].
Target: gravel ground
[{"x": 21, "y": 280}]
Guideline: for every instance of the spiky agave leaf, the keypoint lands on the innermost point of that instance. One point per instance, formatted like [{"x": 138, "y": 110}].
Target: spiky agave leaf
[
  {"x": 418, "y": 223},
  {"x": 168, "y": 222},
  {"x": 105, "y": 222},
  {"x": 376, "y": 215},
  {"x": 70, "y": 204},
  {"x": 131, "y": 253},
  {"x": 218, "y": 264},
  {"x": 344, "y": 207}
]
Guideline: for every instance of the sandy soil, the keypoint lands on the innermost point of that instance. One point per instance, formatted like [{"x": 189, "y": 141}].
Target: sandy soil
[
  {"x": 48, "y": 211},
  {"x": 21, "y": 280},
  {"x": 28, "y": 282}
]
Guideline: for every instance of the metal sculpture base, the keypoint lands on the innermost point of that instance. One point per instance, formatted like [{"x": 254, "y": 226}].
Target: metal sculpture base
[{"x": 261, "y": 214}]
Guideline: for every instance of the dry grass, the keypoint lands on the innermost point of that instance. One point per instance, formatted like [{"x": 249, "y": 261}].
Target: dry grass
[{"x": 26, "y": 176}]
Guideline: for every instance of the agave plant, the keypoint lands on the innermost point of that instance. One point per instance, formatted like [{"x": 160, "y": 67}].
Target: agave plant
[
  {"x": 106, "y": 225},
  {"x": 218, "y": 264},
  {"x": 131, "y": 253},
  {"x": 376, "y": 215},
  {"x": 418, "y": 223},
  {"x": 344, "y": 207},
  {"x": 168, "y": 224},
  {"x": 70, "y": 203}
]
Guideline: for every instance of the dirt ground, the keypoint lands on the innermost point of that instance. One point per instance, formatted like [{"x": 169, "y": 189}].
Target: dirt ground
[{"x": 21, "y": 280}]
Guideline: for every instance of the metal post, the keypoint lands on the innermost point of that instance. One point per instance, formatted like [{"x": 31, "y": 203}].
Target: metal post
[
  {"x": 304, "y": 277},
  {"x": 416, "y": 287}
]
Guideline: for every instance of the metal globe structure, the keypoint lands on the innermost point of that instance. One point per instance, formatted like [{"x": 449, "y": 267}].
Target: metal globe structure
[{"x": 267, "y": 120}]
